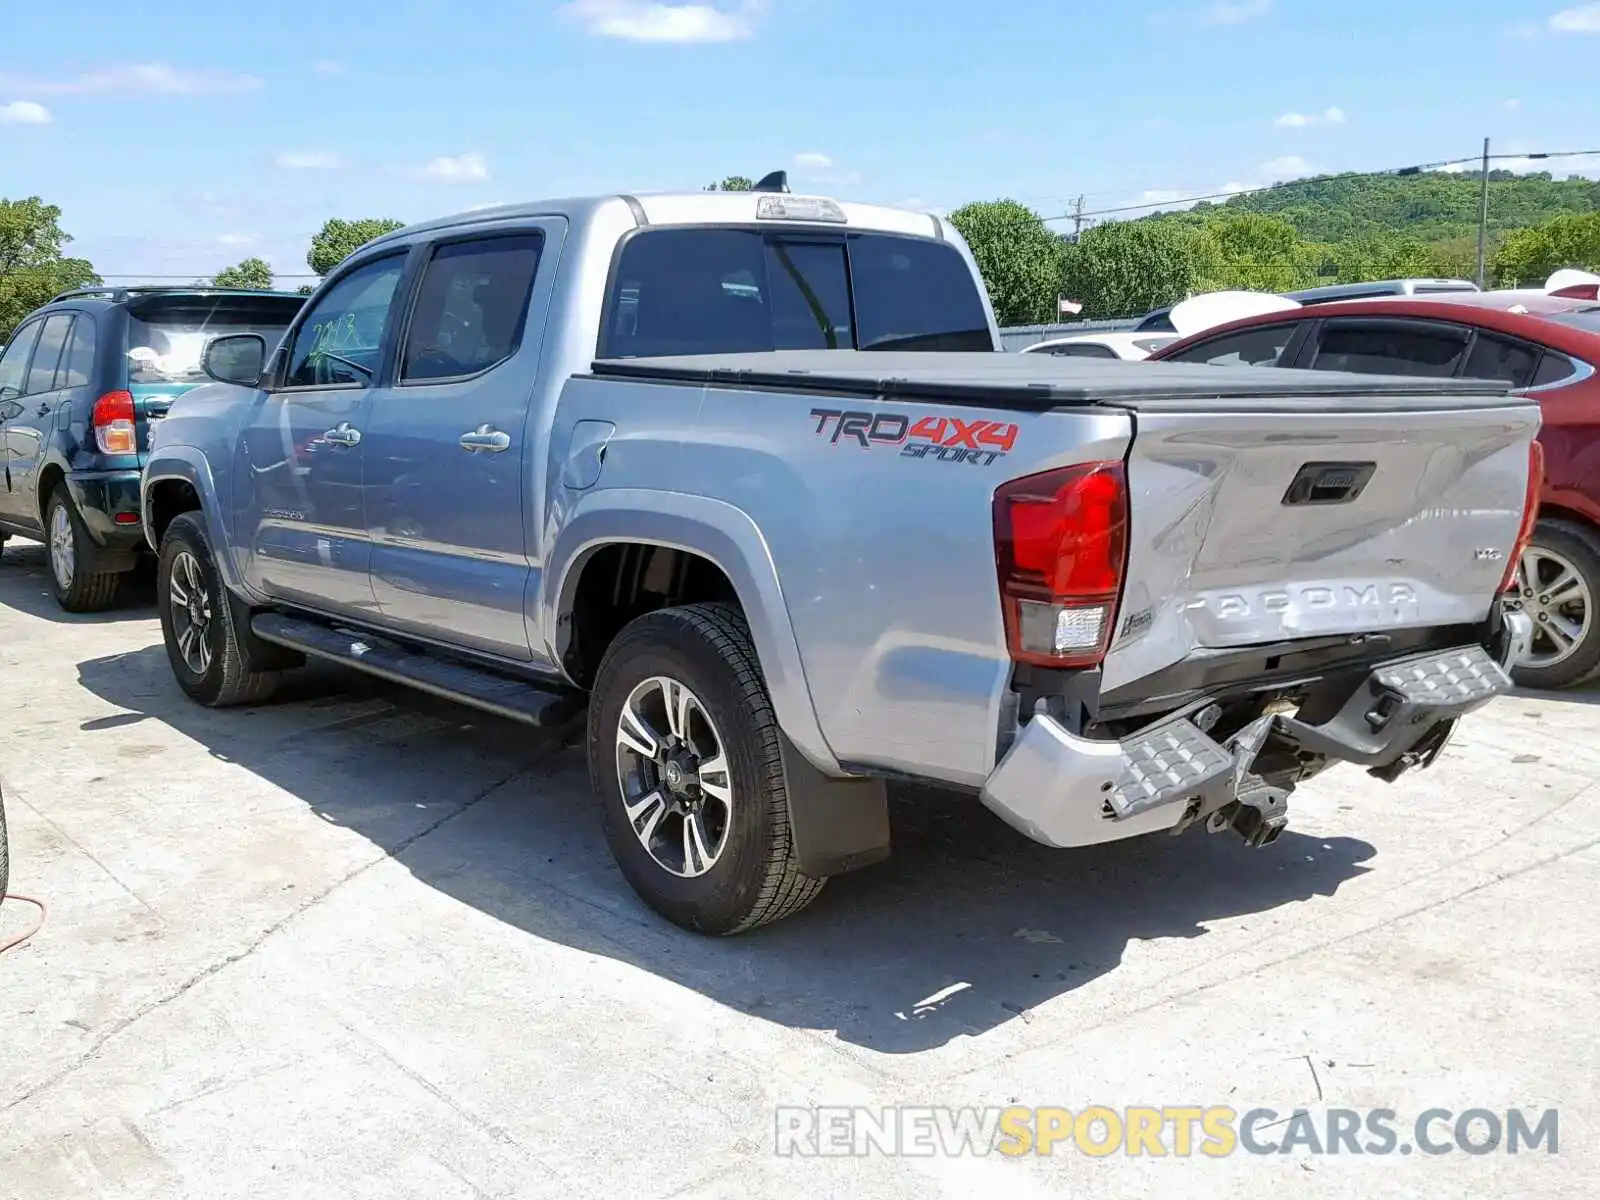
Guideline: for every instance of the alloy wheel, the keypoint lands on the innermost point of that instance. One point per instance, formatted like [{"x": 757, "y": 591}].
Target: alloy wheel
[
  {"x": 190, "y": 601},
  {"x": 672, "y": 767},
  {"x": 1555, "y": 595},
  {"x": 63, "y": 547}
]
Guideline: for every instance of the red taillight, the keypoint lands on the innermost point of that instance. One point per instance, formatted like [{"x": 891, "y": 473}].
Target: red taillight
[
  {"x": 1061, "y": 544},
  {"x": 1530, "y": 513},
  {"x": 113, "y": 423}
]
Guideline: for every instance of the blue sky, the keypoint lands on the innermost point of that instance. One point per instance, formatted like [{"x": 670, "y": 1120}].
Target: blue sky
[{"x": 182, "y": 136}]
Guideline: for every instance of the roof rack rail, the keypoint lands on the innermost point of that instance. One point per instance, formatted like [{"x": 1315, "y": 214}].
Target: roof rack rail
[{"x": 118, "y": 294}]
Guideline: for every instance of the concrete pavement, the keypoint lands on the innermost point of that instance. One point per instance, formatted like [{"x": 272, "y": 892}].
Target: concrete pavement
[{"x": 362, "y": 944}]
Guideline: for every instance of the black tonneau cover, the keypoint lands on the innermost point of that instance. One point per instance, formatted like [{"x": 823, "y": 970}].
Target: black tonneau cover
[{"x": 1042, "y": 382}]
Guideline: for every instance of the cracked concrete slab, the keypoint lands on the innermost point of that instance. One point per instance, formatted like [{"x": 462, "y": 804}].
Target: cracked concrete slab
[{"x": 360, "y": 943}]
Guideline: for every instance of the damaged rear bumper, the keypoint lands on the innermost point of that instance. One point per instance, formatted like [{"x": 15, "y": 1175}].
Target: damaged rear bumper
[{"x": 1064, "y": 790}]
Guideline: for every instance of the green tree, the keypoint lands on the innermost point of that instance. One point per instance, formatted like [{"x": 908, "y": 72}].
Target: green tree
[
  {"x": 1530, "y": 256},
  {"x": 1017, "y": 255},
  {"x": 733, "y": 183},
  {"x": 1252, "y": 252},
  {"x": 1380, "y": 254},
  {"x": 32, "y": 266},
  {"x": 251, "y": 273},
  {"x": 338, "y": 240},
  {"x": 1124, "y": 268}
]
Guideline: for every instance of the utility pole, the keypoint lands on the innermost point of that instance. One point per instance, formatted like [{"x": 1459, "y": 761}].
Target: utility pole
[
  {"x": 1483, "y": 213},
  {"x": 1077, "y": 218}
]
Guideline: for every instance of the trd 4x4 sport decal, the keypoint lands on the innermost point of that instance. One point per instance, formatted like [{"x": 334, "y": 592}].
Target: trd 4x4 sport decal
[{"x": 943, "y": 439}]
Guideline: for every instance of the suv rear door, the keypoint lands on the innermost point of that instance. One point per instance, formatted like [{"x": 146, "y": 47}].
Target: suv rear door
[{"x": 31, "y": 413}]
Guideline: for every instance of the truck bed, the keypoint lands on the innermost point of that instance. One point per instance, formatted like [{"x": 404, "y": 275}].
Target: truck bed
[{"x": 1041, "y": 383}]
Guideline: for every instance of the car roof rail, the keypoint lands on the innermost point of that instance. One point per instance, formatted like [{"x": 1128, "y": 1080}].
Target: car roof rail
[{"x": 119, "y": 294}]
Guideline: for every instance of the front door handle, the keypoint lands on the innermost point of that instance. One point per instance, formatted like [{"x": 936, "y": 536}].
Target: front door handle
[
  {"x": 343, "y": 435},
  {"x": 485, "y": 439}
]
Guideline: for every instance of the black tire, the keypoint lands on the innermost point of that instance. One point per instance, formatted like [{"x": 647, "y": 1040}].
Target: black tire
[
  {"x": 231, "y": 675},
  {"x": 84, "y": 593},
  {"x": 1579, "y": 545},
  {"x": 755, "y": 880}
]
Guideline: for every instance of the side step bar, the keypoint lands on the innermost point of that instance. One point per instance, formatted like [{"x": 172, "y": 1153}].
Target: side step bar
[{"x": 529, "y": 703}]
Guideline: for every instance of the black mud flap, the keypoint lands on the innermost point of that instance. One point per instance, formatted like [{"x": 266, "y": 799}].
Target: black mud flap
[{"x": 838, "y": 825}]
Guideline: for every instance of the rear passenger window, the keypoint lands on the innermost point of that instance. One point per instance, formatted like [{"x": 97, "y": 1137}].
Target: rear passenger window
[
  {"x": 1553, "y": 368},
  {"x": 1501, "y": 359},
  {"x": 913, "y": 294},
  {"x": 77, "y": 364},
  {"x": 42, "y": 375},
  {"x": 472, "y": 307},
  {"x": 1261, "y": 346},
  {"x": 1389, "y": 350}
]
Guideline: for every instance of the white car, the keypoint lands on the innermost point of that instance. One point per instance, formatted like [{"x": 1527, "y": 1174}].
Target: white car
[{"x": 1130, "y": 346}]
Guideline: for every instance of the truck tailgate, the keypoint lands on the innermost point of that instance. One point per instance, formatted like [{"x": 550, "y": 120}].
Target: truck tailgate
[{"x": 1270, "y": 520}]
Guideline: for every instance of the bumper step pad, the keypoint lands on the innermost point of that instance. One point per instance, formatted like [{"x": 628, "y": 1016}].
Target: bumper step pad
[
  {"x": 1467, "y": 676},
  {"x": 1167, "y": 763}
]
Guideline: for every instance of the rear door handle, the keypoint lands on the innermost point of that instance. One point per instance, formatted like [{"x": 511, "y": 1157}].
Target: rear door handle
[
  {"x": 343, "y": 435},
  {"x": 44, "y": 410},
  {"x": 485, "y": 439}
]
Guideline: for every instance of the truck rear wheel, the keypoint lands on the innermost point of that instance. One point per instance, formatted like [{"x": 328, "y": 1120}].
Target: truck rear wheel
[
  {"x": 684, "y": 757},
  {"x": 1558, "y": 584},
  {"x": 199, "y": 624}
]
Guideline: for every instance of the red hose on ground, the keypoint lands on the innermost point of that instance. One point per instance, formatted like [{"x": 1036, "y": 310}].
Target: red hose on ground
[{"x": 37, "y": 925}]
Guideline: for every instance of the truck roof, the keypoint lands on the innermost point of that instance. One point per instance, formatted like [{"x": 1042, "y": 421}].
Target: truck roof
[
  {"x": 689, "y": 208},
  {"x": 1037, "y": 382}
]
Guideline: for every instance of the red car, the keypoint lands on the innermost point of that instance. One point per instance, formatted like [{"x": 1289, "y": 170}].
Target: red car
[{"x": 1546, "y": 346}]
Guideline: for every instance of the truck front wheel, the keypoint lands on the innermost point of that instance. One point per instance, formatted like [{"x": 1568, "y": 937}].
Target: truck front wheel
[{"x": 684, "y": 757}]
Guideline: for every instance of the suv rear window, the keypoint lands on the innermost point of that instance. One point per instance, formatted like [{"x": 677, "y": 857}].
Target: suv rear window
[
  {"x": 165, "y": 337},
  {"x": 726, "y": 291}
]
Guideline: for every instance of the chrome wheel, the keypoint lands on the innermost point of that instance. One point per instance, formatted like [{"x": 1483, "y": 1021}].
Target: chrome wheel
[
  {"x": 672, "y": 767},
  {"x": 1554, "y": 593},
  {"x": 191, "y": 612},
  {"x": 63, "y": 547}
]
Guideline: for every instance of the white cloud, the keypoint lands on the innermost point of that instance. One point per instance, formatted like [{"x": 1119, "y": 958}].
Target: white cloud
[
  {"x": 151, "y": 78},
  {"x": 816, "y": 167},
  {"x": 1299, "y": 120},
  {"x": 1583, "y": 19},
  {"x": 328, "y": 67},
  {"x": 658, "y": 21},
  {"x": 457, "y": 168},
  {"x": 236, "y": 239},
  {"x": 1290, "y": 166},
  {"x": 316, "y": 160},
  {"x": 1235, "y": 12},
  {"x": 1511, "y": 105},
  {"x": 24, "y": 112}
]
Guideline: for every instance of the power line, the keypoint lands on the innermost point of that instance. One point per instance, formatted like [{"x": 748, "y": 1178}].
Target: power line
[{"x": 1079, "y": 216}]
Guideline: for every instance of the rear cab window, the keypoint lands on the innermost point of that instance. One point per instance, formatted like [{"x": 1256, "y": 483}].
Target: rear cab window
[
  {"x": 166, "y": 334},
  {"x": 733, "y": 290}
]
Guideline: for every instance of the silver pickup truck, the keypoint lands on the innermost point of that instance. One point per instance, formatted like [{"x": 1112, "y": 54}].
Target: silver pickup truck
[{"x": 744, "y": 482}]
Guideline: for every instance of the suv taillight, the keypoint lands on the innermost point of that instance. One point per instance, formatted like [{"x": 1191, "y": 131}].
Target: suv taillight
[
  {"x": 1530, "y": 513},
  {"x": 113, "y": 424},
  {"x": 1061, "y": 545}
]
